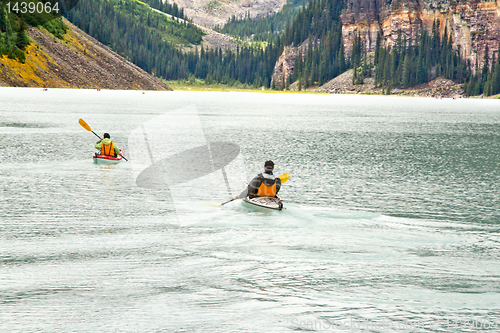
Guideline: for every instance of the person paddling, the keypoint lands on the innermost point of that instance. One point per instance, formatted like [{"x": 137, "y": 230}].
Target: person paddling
[
  {"x": 107, "y": 147},
  {"x": 264, "y": 185}
]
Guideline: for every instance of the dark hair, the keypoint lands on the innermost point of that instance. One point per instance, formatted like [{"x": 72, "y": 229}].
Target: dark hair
[
  {"x": 269, "y": 165},
  {"x": 106, "y": 135}
]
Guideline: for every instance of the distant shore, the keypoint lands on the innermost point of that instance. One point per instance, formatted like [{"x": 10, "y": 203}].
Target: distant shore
[
  {"x": 175, "y": 86},
  {"x": 198, "y": 85}
]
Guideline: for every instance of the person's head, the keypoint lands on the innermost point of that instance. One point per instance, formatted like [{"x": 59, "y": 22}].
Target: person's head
[
  {"x": 106, "y": 136},
  {"x": 269, "y": 166}
]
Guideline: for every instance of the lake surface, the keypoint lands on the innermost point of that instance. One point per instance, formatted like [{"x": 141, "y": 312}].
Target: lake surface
[{"x": 392, "y": 219}]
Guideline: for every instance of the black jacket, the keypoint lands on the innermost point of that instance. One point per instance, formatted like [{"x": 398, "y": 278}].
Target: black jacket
[{"x": 267, "y": 179}]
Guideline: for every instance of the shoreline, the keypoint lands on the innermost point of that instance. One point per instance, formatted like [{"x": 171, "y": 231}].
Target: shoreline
[
  {"x": 196, "y": 88},
  {"x": 423, "y": 91}
]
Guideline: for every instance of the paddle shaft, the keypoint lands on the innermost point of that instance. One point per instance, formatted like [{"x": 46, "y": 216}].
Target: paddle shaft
[
  {"x": 96, "y": 134},
  {"x": 222, "y": 204}
]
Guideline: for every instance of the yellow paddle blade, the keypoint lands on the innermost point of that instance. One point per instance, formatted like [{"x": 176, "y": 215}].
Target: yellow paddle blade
[
  {"x": 284, "y": 177},
  {"x": 84, "y": 124},
  {"x": 211, "y": 205}
]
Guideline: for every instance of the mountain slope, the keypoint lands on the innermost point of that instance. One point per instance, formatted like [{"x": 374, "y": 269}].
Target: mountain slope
[
  {"x": 149, "y": 39},
  {"x": 211, "y": 38},
  {"x": 218, "y": 12},
  {"x": 76, "y": 61},
  {"x": 263, "y": 27}
]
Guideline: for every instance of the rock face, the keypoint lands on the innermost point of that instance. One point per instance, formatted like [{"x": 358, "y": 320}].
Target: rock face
[
  {"x": 78, "y": 61},
  {"x": 214, "y": 40},
  {"x": 217, "y": 12},
  {"x": 284, "y": 66},
  {"x": 472, "y": 24}
]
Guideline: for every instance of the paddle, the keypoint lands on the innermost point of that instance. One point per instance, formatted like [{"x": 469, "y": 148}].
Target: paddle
[
  {"x": 284, "y": 177},
  {"x": 87, "y": 127},
  {"x": 222, "y": 204}
]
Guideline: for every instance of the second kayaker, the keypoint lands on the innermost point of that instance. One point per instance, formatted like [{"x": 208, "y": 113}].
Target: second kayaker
[
  {"x": 264, "y": 185},
  {"x": 107, "y": 147}
]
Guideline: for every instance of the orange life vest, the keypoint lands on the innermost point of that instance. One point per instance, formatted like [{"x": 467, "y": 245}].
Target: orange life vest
[
  {"x": 266, "y": 191},
  {"x": 108, "y": 150}
]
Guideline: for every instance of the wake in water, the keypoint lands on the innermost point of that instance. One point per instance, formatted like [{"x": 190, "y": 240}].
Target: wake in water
[
  {"x": 332, "y": 266},
  {"x": 238, "y": 214}
]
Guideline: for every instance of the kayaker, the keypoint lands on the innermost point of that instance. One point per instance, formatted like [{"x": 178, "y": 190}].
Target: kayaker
[
  {"x": 264, "y": 185},
  {"x": 107, "y": 147}
]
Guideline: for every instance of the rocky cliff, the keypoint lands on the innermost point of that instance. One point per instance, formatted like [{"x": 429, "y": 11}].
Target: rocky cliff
[
  {"x": 77, "y": 61},
  {"x": 472, "y": 24},
  {"x": 283, "y": 68}
]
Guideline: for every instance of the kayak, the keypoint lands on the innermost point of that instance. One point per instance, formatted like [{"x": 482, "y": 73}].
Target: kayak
[
  {"x": 103, "y": 159},
  {"x": 264, "y": 202}
]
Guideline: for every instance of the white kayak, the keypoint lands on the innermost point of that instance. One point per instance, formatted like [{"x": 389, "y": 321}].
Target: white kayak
[
  {"x": 103, "y": 159},
  {"x": 264, "y": 202}
]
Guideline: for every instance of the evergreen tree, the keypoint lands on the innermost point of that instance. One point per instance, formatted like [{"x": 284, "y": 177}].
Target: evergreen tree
[
  {"x": 406, "y": 71},
  {"x": 22, "y": 38},
  {"x": 406, "y": 65},
  {"x": 486, "y": 65}
]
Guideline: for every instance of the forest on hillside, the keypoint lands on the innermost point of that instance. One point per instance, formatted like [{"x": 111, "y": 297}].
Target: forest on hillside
[
  {"x": 403, "y": 65},
  {"x": 166, "y": 7},
  {"x": 318, "y": 25},
  {"x": 154, "y": 41},
  {"x": 267, "y": 28},
  {"x": 147, "y": 38},
  {"x": 171, "y": 49},
  {"x": 407, "y": 64},
  {"x": 319, "y": 22}
]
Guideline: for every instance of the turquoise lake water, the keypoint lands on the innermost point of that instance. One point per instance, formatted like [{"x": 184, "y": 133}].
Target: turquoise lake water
[{"x": 391, "y": 219}]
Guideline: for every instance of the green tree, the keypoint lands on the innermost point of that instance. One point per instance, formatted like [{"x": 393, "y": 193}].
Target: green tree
[
  {"x": 406, "y": 71},
  {"x": 22, "y": 38}
]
